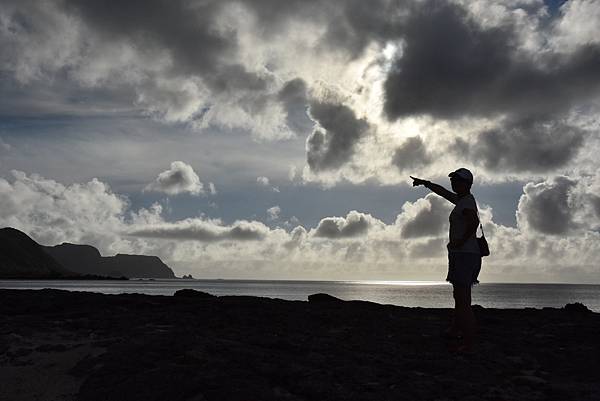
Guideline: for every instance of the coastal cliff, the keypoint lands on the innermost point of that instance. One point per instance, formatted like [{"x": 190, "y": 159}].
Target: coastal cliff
[
  {"x": 23, "y": 258},
  {"x": 85, "y": 259}
]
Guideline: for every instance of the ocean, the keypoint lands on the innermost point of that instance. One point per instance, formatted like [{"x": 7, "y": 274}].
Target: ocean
[{"x": 426, "y": 294}]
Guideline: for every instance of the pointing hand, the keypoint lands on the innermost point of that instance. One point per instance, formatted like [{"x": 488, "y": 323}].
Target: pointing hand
[{"x": 417, "y": 181}]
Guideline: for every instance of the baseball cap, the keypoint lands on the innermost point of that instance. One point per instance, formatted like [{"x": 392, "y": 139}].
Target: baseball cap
[{"x": 462, "y": 173}]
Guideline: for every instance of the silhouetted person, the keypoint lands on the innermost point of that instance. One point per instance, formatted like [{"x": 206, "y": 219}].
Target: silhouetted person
[{"x": 464, "y": 257}]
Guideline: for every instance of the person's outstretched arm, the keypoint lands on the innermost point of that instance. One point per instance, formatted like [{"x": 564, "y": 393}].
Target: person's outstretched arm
[{"x": 435, "y": 188}]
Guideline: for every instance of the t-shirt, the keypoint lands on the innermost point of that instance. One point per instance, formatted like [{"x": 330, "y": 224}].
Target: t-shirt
[{"x": 458, "y": 225}]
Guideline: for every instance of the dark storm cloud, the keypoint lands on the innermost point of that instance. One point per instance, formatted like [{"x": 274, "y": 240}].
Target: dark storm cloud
[
  {"x": 429, "y": 221},
  {"x": 358, "y": 23},
  {"x": 595, "y": 200},
  {"x": 453, "y": 67},
  {"x": 355, "y": 224},
  {"x": 411, "y": 153},
  {"x": 203, "y": 232},
  {"x": 294, "y": 98},
  {"x": 545, "y": 207},
  {"x": 333, "y": 142},
  {"x": 526, "y": 145},
  {"x": 449, "y": 66},
  {"x": 185, "y": 29}
]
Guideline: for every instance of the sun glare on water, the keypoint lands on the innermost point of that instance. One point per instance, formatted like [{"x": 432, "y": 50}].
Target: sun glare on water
[{"x": 398, "y": 282}]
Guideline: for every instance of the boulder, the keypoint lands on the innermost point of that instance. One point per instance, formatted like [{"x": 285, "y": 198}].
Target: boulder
[
  {"x": 323, "y": 298},
  {"x": 190, "y": 293}
]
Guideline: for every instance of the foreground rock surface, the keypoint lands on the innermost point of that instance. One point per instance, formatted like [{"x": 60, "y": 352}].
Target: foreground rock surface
[{"x": 83, "y": 346}]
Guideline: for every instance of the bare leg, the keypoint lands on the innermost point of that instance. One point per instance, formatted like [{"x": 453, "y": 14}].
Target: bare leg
[
  {"x": 471, "y": 319},
  {"x": 465, "y": 320}
]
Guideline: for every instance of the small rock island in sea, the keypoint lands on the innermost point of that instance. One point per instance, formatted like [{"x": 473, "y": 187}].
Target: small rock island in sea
[
  {"x": 23, "y": 258},
  {"x": 60, "y": 345}
]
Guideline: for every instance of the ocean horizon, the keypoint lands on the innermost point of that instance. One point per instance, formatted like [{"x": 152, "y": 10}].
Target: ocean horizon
[{"x": 426, "y": 294}]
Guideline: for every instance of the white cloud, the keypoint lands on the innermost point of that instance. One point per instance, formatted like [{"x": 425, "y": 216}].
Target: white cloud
[
  {"x": 265, "y": 182},
  {"x": 273, "y": 212},
  {"x": 355, "y": 224},
  {"x": 180, "y": 178},
  {"x": 55, "y": 213},
  {"x": 212, "y": 189},
  {"x": 292, "y": 172},
  {"x": 355, "y": 246},
  {"x": 203, "y": 230},
  {"x": 578, "y": 24}
]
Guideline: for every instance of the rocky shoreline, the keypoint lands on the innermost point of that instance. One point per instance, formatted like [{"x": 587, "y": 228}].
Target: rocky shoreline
[{"x": 60, "y": 345}]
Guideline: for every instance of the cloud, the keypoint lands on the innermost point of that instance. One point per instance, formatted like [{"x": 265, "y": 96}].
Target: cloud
[
  {"x": 431, "y": 248},
  {"x": 177, "y": 28},
  {"x": 226, "y": 66},
  {"x": 353, "y": 225},
  {"x": 595, "y": 199},
  {"x": 426, "y": 217},
  {"x": 292, "y": 172},
  {"x": 176, "y": 62},
  {"x": 546, "y": 207},
  {"x": 508, "y": 85},
  {"x": 332, "y": 143},
  {"x": 528, "y": 145},
  {"x": 53, "y": 213},
  {"x": 202, "y": 230},
  {"x": 297, "y": 236},
  {"x": 265, "y": 182},
  {"x": 212, "y": 189},
  {"x": 411, "y": 154},
  {"x": 273, "y": 212},
  {"x": 452, "y": 66},
  {"x": 294, "y": 97},
  {"x": 354, "y": 246},
  {"x": 180, "y": 178},
  {"x": 577, "y": 25}
]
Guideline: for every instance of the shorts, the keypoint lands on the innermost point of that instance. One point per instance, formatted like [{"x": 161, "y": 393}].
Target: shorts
[{"x": 463, "y": 268}]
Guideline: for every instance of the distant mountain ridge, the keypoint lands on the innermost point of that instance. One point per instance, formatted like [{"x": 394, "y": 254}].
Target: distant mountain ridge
[
  {"x": 85, "y": 259},
  {"x": 22, "y": 257}
]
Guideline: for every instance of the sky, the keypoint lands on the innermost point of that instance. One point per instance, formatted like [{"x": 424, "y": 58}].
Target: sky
[{"x": 273, "y": 140}]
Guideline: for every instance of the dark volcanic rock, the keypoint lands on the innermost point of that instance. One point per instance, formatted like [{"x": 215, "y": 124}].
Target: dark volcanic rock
[
  {"x": 138, "y": 347},
  {"x": 190, "y": 293},
  {"x": 577, "y": 307},
  {"x": 323, "y": 298},
  {"x": 22, "y": 257}
]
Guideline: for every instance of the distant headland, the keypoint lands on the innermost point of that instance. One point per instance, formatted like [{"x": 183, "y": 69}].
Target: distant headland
[{"x": 23, "y": 258}]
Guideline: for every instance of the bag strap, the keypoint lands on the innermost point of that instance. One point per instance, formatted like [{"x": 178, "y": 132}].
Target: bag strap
[{"x": 478, "y": 218}]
